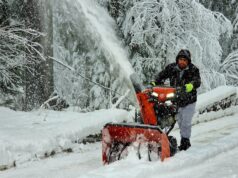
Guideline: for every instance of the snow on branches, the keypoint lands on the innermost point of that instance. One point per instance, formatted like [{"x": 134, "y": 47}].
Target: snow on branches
[
  {"x": 17, "y": 52},
  {"x": 235, "y": 23},
  {"x": 230, "y": 68}
]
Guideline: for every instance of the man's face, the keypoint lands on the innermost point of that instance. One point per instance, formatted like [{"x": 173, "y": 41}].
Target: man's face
[{"x": 182, "y": 63}]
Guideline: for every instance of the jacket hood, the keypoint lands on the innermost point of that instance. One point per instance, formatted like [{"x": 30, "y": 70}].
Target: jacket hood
[{"x": 185, "y": 54}]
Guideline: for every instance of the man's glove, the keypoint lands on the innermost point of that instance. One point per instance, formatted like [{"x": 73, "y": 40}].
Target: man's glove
[
  {"x": 153, "y": 83},
  {"x": 188, "y": 87}
]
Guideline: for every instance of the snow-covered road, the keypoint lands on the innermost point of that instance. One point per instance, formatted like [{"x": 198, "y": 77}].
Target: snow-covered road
[
  {"x": 60, "y": 166},
  {"x": 213, "y": 153}
]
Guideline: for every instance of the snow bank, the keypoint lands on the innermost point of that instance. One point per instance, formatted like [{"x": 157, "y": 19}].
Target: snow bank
[
  {"x": 215, "y": 95},
  {"x": 5, "y": 158},
  {"x": 25, "y": 136}
]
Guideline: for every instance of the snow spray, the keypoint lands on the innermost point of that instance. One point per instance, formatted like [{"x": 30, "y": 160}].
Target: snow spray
[
  {"x": 103, "y": 28},
  {"x": 103, "y": 24}
]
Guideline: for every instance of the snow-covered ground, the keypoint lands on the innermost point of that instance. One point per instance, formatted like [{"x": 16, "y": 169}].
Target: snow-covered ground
[{"x": 26, "y": 137}]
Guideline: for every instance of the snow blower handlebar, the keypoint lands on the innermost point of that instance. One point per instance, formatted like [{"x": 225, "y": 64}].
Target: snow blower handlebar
[
  {"x": 162, "y": 94},
  {"x": 165, "y": 93},
  {"x": 159, "y": 105}
]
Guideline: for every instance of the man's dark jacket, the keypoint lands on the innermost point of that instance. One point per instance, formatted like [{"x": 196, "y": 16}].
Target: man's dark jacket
[{"x": 190, "y": 75}]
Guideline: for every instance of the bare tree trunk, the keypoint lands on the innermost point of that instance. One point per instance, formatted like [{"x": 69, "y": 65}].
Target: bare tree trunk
[
  {"x": 4, "y": 13},
  {"x": 39, "y": 81},
  {"x": 32, "y": 77},
  {"x": 47, "y": 43}
]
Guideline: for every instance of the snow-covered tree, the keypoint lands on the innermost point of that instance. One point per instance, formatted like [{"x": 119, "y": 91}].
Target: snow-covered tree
[
  {"x": 25, "y": 68},
  {"x": 228, "y": 9},
  {"x": 16, "y": 56},
  {"x": 230, "y": 68},
  {"x": 234, "y": 45},
  {"x": 229, "y": 65}
]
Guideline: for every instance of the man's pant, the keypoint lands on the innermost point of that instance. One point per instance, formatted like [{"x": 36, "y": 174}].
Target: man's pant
[{"x": 184, "y": 118}]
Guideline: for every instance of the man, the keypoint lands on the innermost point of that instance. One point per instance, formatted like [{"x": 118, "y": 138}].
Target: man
[{"x": 183, "y": 74}]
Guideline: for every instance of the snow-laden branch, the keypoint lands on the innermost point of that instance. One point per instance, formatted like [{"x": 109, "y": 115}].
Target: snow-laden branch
[
  {"x": 121, "y": 99},
  {"x": 18, "y": 52},
  {"x": 46, "y": 103},
  {"x": 230, "y": 68}
]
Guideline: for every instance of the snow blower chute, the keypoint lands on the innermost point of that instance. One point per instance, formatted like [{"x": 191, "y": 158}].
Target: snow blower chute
[{"x": 156, "y": 119}]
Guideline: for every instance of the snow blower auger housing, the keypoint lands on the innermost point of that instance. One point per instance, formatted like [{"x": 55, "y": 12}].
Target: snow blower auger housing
[{"x": 156, "y": 119}]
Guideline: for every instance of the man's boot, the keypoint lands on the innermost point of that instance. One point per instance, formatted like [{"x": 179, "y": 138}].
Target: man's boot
[{"x": 184, "y": 144}]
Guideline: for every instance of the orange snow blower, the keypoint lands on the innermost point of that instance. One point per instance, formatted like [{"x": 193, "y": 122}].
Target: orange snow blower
[{"x": 156, "y": 119}]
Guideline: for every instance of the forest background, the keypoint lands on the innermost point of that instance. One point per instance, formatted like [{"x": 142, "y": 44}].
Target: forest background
[{"x": 52, "y": 49}]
